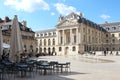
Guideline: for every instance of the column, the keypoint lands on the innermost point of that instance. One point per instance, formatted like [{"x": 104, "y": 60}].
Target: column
[
  {"x": 63, "y": 37},
  {"x": 71, "y": 37},
  {"x": 76, "y": 35},
  {"x": 58, "y": 37}
]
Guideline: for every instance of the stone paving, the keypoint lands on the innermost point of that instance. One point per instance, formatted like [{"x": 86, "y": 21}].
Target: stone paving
[{"x": 83, "y": 68}]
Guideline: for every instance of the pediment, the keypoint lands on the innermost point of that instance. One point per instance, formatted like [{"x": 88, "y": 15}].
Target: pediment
[{"x": 67, "y": 23}]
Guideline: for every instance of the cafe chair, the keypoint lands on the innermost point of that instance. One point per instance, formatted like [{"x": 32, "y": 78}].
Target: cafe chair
[{"x": 67, "y": 67}]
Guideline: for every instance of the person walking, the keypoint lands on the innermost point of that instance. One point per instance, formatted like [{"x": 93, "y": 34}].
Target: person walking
[
  {"x": 117, "y": 53},
  {"x": 105, "y": 53}
]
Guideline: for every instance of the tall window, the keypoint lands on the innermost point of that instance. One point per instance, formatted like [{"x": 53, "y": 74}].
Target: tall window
[
  {"x": 84, "y": 38},
  {"x": 40, "y": 42},
  {"x": 83, "y": 29},
  {"x": 89, "y": 40},
  {"x": 74, "y": 49},
  {"x": 113, "y": 40},
  {"x": 113, "y": 35},
  {"x": 60, "y": 49},
  {"x": 48, "y": 41},
  {"x": 45, "y": 50},
  {"x": 93, "y": 39},
  {"x": 68, "y": 39},
  {"x": 74, "y": 38},
  {"x": 119, "y": 34},
  {"x": 53, "y": 49},
  {"x": 44, "y": 42},
  {"x": 106, "y": 41},
  {"x": 119, "y": 40},
  {"x": 40, "y": 50},
  {"x": 61, "y": 39},
  {"x": 53, "y": 41},
  {"x": 106, "y": 35}
]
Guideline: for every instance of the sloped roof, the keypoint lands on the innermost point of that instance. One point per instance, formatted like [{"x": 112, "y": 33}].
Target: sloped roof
[
  {"x": 80, "y": 19},
  {"x": 111, "y": 27},
  {"x": 21, "y": 26},
  {"x": 47, "y": 30}
]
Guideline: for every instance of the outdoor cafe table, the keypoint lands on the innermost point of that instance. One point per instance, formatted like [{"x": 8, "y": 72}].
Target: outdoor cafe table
[
  {"x": 23, "y": 68},
  {"x": 7, "y": 63},
  {"x": 45, "y": 66},
  {"x": 30, "y": 63},
  {"x": 61, "y": 65}
]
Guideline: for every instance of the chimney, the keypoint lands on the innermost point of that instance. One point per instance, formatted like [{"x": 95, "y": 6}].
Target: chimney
[
  {"x": 24, "y": 23},
  {"x": 7, "y": 19}
]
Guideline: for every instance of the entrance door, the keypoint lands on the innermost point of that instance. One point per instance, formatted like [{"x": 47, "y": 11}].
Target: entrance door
[{"x": 66, "y": 50}]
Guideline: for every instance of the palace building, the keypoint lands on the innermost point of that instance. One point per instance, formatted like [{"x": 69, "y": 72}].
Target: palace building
[
  {"x": 29, "y": 42},
  {"x": 75, "y": 34}
]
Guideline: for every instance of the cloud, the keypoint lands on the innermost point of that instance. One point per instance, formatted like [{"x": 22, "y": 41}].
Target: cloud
[
  {"x": 52, "y": 13},
  {"x": 64, "y": 9},
  {"x": 27, "y": 5},
  {"x": 104, "y": 16}
]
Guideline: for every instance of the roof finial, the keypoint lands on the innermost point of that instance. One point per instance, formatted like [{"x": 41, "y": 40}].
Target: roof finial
[
  {"x": 81, "y": 15},
  {"x": 15, "y": 16}
]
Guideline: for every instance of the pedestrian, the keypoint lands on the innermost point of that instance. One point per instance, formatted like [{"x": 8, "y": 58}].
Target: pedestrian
[
  {"x": 117, "y": 53},
  {"x": 105, "y": 53},
  {"x": 111, "y": 53}
]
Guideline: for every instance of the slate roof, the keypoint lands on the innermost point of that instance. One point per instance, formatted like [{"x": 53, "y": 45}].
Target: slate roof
[
  {"x": 81, "y": 20},
  {"x": 90, "y": 23},
  {"x": 47, "y": 30},
  {"x": 111, "y": 27},
  {"x": 23, "y": 28}
]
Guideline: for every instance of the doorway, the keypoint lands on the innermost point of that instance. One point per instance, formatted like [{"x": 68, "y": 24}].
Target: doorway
[{"x": 66, "y": 50}]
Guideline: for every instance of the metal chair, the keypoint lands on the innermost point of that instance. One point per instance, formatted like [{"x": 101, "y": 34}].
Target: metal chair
[{"x": 67, "y": 67}]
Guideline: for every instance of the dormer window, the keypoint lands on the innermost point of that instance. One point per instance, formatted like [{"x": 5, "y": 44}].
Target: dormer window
[
  {"x": 30, "y": 29},
  {"x": 45, "y": 34},
  {"x": 50, "y": 34},
  {"x": 37, "y": 35},
  {"x": 54, "y": 33},
  {"x": 114, "y": 28},
  {"x": 108, "y": 28},
  {"x": 41, "y": 34},
  {"x": 23, "y": 27}
]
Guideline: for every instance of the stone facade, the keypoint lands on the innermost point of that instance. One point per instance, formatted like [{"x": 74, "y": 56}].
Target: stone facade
[
  {"x": 29, "y": 42},
  {"x": 76, "y": 34},
  {"x": 46, "y": 41}
]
